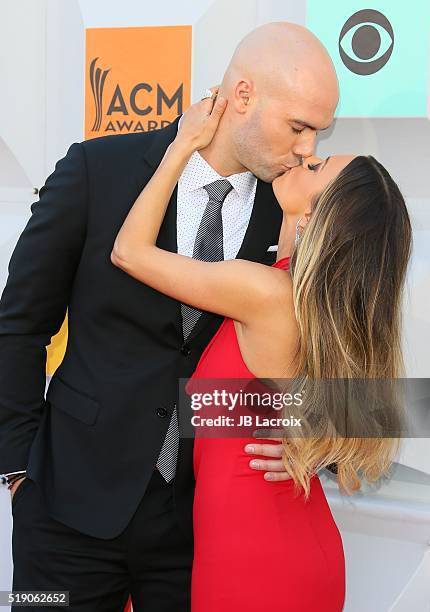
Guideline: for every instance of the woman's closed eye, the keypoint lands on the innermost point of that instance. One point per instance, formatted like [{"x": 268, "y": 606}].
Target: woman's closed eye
[{"x": 318, "y": 167}]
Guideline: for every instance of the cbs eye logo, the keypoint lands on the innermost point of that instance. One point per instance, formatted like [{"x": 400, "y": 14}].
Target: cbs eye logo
[{"x": 366, "y": 42}]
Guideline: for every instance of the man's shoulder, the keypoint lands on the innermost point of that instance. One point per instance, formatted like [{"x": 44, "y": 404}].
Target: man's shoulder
[
  {"x": 129, "y": 143},
  {"x": 119, "y": 142}
]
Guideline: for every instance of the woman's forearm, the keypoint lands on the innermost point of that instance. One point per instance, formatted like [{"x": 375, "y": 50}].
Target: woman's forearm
[
  {"x": 142, "y": 224},
  {"x": 134, "y": 247}
]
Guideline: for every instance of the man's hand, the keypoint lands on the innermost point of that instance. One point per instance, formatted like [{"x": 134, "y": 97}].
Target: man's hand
[
  {"x": 273, "y": 467},
  {"x": 14, "y": 487}
]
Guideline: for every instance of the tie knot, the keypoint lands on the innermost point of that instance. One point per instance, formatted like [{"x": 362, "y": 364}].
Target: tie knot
[{"x": 218, "y": 190}]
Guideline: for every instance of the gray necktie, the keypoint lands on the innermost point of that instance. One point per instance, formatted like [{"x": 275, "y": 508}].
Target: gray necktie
[{"x": 208, "y": 246}]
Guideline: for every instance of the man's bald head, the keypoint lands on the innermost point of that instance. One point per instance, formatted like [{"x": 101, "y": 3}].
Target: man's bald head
[
  {"x": 282, "y": 88},
  {"x": 280, "y": 54}
]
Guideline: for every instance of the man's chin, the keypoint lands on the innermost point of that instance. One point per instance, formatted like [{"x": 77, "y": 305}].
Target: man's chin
[
  {"x": 282, "y": 173},
  {"x": 268, "y": 176}
]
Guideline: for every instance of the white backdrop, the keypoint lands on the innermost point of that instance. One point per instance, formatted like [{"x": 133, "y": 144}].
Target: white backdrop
[{"x": 386, "y": 533}]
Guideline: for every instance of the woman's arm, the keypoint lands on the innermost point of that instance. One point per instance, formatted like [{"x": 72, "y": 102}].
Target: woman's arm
[{"x": 233, "y": 288}]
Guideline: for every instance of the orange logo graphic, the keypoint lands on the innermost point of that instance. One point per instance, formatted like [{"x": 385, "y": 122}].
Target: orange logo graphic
[{"x": 137, "y": 79}]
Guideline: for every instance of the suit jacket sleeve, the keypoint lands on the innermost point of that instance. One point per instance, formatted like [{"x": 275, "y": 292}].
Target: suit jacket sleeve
[{"x": 34, "y": 301}]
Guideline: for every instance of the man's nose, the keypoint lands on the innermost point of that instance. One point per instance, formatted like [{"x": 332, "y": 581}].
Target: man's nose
[{"x": 305, "y": 147}]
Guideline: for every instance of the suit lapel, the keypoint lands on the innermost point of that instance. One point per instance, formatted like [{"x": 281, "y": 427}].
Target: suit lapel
[
  {"x": 263, "y": 228},
  {"x": 167, "y": 237},
  {"x": 264, "y": 224}
]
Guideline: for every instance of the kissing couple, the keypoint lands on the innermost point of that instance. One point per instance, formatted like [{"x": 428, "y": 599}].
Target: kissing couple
[{"x": 158, "y": 244}]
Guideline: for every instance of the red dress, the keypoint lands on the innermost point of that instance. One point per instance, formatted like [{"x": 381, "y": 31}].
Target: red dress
[{"x": 257, "y": 546}]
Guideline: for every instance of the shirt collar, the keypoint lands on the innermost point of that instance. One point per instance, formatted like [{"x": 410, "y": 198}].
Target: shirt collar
[{"x": 198, "y": 173}]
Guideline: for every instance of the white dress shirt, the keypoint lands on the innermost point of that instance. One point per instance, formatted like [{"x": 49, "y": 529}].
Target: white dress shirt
[{"x": 192, "y": 199}]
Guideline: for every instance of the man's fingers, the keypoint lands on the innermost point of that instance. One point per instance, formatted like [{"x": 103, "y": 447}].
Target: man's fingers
[
  {"x": 274, "y": 471},
  {"x": 266, "y": 438},
  {"x": 274, "y": 468},
  {"x": 266, "y": 450},
  {"x": 267, "y": 465},
  {"x": 276, "y": 476}
]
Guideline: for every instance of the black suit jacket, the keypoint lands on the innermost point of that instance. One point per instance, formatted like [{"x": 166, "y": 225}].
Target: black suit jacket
[{"x": 92, "y": 444}]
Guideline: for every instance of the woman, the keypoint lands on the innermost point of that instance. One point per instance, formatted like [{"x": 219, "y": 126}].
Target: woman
[{"x": 328, "y": 308}]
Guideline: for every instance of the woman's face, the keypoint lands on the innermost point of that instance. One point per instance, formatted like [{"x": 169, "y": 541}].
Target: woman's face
[{"x": 295, "y": 188}]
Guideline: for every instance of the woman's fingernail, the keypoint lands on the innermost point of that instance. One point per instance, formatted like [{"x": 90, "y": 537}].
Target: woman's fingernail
[
  {"x": 254, "y": 463},
  {"x": 249, "y": 448},
  {"x": 268, "y": 476}
]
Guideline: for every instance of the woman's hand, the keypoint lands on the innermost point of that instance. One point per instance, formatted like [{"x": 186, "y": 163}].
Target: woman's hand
[{"x": 200, "y": 122}]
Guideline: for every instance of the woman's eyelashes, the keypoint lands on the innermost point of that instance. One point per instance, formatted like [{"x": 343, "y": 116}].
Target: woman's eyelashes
[{"x": 314, "y": 167}]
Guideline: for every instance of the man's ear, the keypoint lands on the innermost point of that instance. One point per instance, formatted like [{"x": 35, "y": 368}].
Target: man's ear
[{"x": 243, "y": 93}]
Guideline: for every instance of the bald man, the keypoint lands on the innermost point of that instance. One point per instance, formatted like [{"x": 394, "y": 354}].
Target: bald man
[
  {"x": 105, "y": 508},
  {"x": 282, "y": 90}
]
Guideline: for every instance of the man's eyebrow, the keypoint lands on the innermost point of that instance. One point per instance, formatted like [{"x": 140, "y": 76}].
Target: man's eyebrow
[{"x": 311, "y": 127}]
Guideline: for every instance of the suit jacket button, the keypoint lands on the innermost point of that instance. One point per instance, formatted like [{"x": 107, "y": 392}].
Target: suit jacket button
[
  {"x": 162, "y": 412},
  {"x": 185, "y": 350}
]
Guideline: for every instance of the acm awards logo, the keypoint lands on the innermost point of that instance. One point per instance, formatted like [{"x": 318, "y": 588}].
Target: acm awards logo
[
  {"x": 366, "y": 42},
  {"x": 123, "y": 104}
]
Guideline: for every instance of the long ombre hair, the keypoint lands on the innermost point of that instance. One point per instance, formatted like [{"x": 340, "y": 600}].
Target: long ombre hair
[{"x": 348, "y": 273}]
